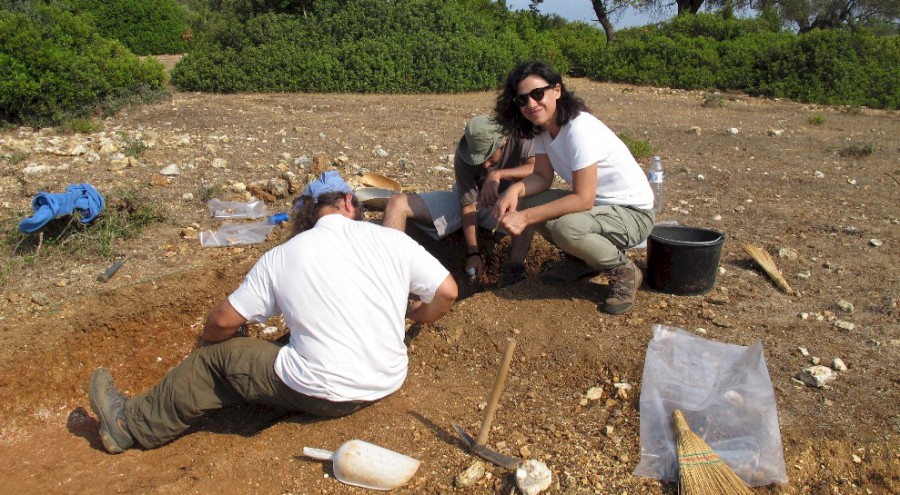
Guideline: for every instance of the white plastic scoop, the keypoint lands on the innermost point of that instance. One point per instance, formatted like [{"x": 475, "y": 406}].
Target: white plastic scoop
[{"x": 363, "y": 464}]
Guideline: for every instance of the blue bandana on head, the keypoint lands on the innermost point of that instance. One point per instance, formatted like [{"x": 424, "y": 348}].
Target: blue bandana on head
[{"x": 329, "y": 181}]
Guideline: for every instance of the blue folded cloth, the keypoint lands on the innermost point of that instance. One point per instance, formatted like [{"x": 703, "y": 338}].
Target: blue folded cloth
[{"x": 47, "y": 206}]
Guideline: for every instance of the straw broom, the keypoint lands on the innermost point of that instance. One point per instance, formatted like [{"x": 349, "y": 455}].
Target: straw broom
[
  {"x": 764, "y": 259},
  {"x": 700, "y": 470}
]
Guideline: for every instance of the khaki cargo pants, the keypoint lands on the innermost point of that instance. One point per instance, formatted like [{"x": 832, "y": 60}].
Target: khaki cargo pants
[
  {"x": 233, "y": 372},
  {"x": 598, "y": 236}
]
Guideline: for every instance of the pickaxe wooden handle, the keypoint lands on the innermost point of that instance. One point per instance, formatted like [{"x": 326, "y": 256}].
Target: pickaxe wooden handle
[{"x": 495, "y": 392}]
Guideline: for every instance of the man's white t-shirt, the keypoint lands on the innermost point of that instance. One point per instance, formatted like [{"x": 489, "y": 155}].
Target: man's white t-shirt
[
  {"x": 343, "y": 289},
  {"x": 584, "y": 141}
]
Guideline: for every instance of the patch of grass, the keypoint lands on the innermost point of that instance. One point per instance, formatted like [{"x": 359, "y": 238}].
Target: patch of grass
[
  {"x": 79, "y": 125},
  {"x": 133, "y": 147},
  {"x": 125, "y": 216},
  {"x": 206, "y": 193},
  {"x": 857, "y": 150},
  {"x": 639, "y": 149},
  {"x": 817, "y": 119},
  {"x": 15, "y": 157},
  {"x": 713, "y": 100},
  {"x": 855, "y": 110}
]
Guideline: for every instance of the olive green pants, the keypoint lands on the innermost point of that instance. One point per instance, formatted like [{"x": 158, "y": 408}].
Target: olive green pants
[
  {"x": 598, "y": 236},
  {"x": 237, "y": 371}
]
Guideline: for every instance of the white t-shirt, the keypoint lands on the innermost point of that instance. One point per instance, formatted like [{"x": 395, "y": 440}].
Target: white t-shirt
[
  {"x": 343, "y": 288},
  {"x": 584, "y": 141}
]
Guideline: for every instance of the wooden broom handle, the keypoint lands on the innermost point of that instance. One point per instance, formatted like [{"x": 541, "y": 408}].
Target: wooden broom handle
[{"x": 495, "y": 392}]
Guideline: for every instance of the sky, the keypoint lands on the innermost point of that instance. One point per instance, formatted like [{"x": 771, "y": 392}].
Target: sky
[{"x": 581, "y": 10}]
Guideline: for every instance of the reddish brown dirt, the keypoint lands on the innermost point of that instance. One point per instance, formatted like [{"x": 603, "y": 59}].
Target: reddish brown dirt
[{"x": 757, "y": 188}]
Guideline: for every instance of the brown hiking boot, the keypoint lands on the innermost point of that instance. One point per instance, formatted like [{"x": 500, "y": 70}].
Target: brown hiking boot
[
  {"x": 624, "y": 282},
  {"x": 109, "y": 406}
]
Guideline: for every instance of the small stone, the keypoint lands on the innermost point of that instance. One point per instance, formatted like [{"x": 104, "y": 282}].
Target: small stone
[
  {"x": 804, "y": 274},
  {"x": 700, "y": 177},
  {"x": 470, "y": 476},
  {"x": 40, "y": 299},
  {"x": 608, "y": 430},
  {"x": 845, "y": 306},
  {"x": 874, "y": 242},
  {"x": 815, "y": 360},
  {"x": 818, "y": 175},
  {"x": 816, "y": 376},
  {"x": 844, "y": 325},
  {"x": 721, "y": 270},
  {"x": 700, "y": 331},
  {"x": 732, "y": 131},
  {"x": 219, "y": 163},
  {"x": 594, "y": 393},
  {"x": 36, "y": 169},
  {"x": 856, "y": 459},
  {"x": 803, "y": 351},
  {"x": 838, "y": 365},
  {"x": 533, "y": 477},
  {"x": 775, "y": 132},
  {"x": 381, "y": 153},
  {"x": 788, "y": 253},
  {"x": 696, "y": 130},
  {"x": 187, "y": 196},
  {"x": 525, "y": 452},
  {"x": 171, "y": 170}
]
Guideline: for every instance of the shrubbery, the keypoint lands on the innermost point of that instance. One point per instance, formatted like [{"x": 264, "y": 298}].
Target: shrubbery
[
  {"x": 705, "y": 51},
  {"x": 55, "y": 66},
  {"x": 366, "y": 46},
  {"x": 144, "y": 26}
]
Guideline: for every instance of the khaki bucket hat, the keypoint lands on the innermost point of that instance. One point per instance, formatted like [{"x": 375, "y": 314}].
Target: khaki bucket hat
[{"x": 481, "y": 139}]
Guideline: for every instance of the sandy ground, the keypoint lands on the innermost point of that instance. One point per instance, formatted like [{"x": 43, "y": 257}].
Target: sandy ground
[{"x": 795, "y": 193}]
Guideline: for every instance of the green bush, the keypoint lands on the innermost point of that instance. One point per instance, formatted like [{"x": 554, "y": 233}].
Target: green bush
[
  {"x": 146, "y": 27},
  {"x": 56, "y": 67},
  {"x": 370, "y": 46},
  {"x": 836, "y": 67},
  {"x": 707, "y": 51}
]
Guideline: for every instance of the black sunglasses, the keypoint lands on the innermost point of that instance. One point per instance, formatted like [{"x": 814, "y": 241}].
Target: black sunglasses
[{"x": 536, "y": 94}]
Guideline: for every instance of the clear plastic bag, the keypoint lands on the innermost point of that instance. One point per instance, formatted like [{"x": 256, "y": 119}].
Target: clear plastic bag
[
  {"x": 237, "y": 209},
  {"x": 232, "y": 234},
  {"x": 726, "y": 396}
]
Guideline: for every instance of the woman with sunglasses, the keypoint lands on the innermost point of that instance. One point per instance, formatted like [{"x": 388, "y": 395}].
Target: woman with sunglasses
[{"x": 610, "y": 204}]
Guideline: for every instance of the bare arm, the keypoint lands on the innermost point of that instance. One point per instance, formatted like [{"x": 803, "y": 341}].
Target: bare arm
[
  {"x": 444, "y": 297},
  {"x": 490, "y": 192},
  {"x": 222, "y": 322},
  {"x": 584, "y": 189}
]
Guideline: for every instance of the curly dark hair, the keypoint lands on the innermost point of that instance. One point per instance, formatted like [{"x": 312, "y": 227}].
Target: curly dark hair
[
  {"x": 305, "y": 213},
  {"x": 509, "y": 115}
]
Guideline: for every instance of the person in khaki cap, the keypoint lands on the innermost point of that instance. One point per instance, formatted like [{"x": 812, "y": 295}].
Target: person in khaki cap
[{"x": 486, "y": 162}]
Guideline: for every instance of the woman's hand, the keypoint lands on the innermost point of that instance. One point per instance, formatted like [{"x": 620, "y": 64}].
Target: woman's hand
[
  {"x": 514, "y": 222},
  {"x": 509, "y": 202}
]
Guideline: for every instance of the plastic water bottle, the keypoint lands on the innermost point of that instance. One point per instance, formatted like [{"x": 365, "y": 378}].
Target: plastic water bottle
[
  {"x": 278, "y": 218},
  {"x": 656, "y": 176}
]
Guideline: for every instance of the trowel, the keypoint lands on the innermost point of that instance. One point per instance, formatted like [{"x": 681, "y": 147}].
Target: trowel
[{"x": 478, "y": 445}]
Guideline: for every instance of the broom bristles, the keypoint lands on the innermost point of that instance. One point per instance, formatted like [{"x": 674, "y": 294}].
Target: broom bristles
[
  {"x": 700, "y": 470},
  {"x": 764, "y": 259}
]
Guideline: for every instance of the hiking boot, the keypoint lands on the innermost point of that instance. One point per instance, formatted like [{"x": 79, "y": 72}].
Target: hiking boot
[
  {"x": 109, "y": 406},
  {"x": 511, "y": 273},
  {"x": 624, "y": 282}
]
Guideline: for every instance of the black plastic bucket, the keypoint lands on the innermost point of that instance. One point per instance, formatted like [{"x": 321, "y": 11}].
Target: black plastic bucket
[{"x": 683, "y": 260}]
